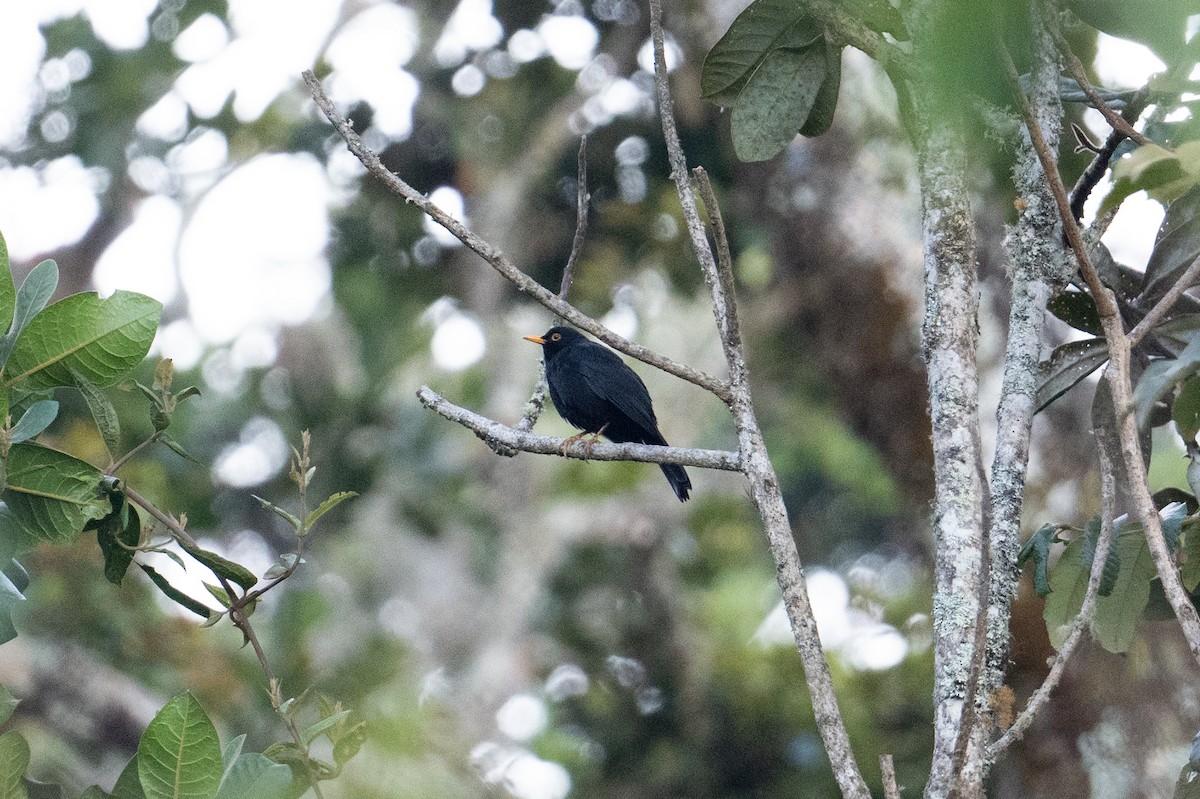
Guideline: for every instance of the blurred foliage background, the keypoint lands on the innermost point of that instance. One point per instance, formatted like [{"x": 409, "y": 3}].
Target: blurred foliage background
[{"x": 525, "y": 626}]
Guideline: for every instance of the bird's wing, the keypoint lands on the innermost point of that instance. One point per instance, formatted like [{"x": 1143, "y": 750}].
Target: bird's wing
[{"x": 611, "y": 378}]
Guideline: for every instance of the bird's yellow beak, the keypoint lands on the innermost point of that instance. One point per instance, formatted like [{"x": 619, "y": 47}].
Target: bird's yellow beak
[{"x": 535, "y": 339}]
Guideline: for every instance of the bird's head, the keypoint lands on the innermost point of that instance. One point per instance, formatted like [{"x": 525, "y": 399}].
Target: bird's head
[{"x": 556, "y": 338}]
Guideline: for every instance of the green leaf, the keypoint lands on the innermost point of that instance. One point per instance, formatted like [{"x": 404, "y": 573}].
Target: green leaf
[
  {"x": 1189, "y": 553},
  {"x": 1087, "y": 555},
  {"x": 42, "y": 790},
  {"x": 281, "y": 566},
  {"x": 14, "y": 762},
  {"x": 1068, "y": 585},
  {"x": 222, "y": 567},
  {"x": 1038, "y": 548},
  {"x": 311, "y": 734},
  {"x": 117, "y": 542},
  {"x": 10, "y": 597},
  {"x": 35, "y": 292},
  {"x": 8, "y": 703},
  {"x": 101, "y": 339},
  {"x": 256, "y": 776},
  {"x": 1069, "y": 364},
  {"x": 348, "y": 743},
  {"x": 278, "y": 511},
  {"x": 52, "y": 495},
  {"x": 1161, "y": 376},
  {"x": 8, "y": 293},
  {"x": 177, "y": 448},
  {"x": 129, "y": 785},
  {"x": 329, "y": 504},
  {"x": 34, "y": 421},
  {"x": 820, "y": 118},
  {"x": 1118, "y": 613},
  {"x": 1078, "y": 310},
  {"x": 776, "y": 101},
  {"x": 1176, "y": 246},
  {"x": 762, "y": 28},
  {"x": 103, "y": 413},
  {"x": 179, "y": 756},
  {"x": 174, "y": 594},
  {"x": 1185, "y": 411}
]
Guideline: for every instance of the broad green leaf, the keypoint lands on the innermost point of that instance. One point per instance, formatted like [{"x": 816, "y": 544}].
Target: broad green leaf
[
  {"x": 117, "y": 538},
  {"x": 8, "y": 704},
  {"x": 179, "y": 756},
  {"x": 10, "y": 597},
  {"x": 1038, "y": 548},
  {"x": 1068, "y": 585},
  {"x": 329, "y": 504},
  {"x": 230, "y": 753},
  {"x": 1161, "y": 376},
  {"x": 101, "y": 339},
  {"x": 1189, "y": 553},
  {"x": 1087, "y": 555},
  {"x": 103, "y": 413},
  {"x": 14, "y": 762},
  {"x": 43, "y": 790},
  {"x": 348, "y": 742},
  {"x": 281, "y": 566},
  {"x": 1118, "y": 613},
  {"x": 222, "y": 567},
  {"x": 820, "y": 118},
  {"x": 35, "y": 292},
  {"x": 315, "y": 730},
  {"x": 8, "y": 292},
  {"x": 1078, "y": 310},
  {"x": 129, "y": 785},
  {"x": 776, "y": 101},
  {"x": 1069, "y": 364},
  {"x": 762, "y": 28},
  {"x": 1176, "y": 246},
  {"x": 256, "y": 776},
  {"x": 34, "y": 421},
  {"x": 52, "y": 495},
  {"x": 174, "y": 594},
  {"x": 1185, "y": 411}
]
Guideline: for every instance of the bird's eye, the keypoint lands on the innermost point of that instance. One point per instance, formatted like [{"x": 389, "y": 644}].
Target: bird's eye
[{"x": 556, "y": 336}]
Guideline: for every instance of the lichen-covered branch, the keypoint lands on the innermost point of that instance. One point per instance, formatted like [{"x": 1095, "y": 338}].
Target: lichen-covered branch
[
  {"x": 498, "y": 435},
  {"x": 1038, "y": 269}
]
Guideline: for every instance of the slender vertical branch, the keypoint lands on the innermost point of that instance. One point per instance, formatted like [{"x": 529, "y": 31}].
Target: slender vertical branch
[
  {"x": 1118, "y": 380},
  {"x": 763, "y": 482},
  {"x": 1038, "y": 269}
]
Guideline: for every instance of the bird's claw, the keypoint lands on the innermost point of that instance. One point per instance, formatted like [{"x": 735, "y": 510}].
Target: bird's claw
[{"x": 587, "y": 445}]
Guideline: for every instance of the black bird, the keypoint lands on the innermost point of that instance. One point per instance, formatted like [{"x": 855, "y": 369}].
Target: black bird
[{"x": 594, "y": 390}]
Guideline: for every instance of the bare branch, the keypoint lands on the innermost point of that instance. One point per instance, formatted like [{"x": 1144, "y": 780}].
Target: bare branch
[
  {"x": 1163, "y": 306},
  {"x": 1116, "y": 121},
  {"x": 891, "y": 790},
  {"x": 756, "y": 464},
  {"x": 537, "y": 400},
  {"x": 1117, "y": 377},
  {"x": 1082, "y": 621},
  {"x": 498, "y": 261},
  {"x": 492, "y": 432}
]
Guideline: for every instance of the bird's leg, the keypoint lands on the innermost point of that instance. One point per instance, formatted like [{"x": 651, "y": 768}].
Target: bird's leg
[
  {"x": 587, "y": 445},
  {"x": 568, "y": 442}
]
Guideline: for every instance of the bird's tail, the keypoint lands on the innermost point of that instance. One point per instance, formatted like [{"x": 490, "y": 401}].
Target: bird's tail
[{"x": 679, "y": 480}]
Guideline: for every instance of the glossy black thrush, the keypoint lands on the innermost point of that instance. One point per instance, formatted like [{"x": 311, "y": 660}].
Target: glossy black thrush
[{"x": 594, "y": 390}]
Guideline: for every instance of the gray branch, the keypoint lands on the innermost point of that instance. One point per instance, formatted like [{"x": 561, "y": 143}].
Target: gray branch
[
  {"x": 505, "y": 440},
  {"x": 497, "y": 260}
]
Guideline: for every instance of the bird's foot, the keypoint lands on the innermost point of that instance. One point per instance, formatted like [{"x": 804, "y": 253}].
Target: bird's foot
[
  {"x": 569, "y": 442},
  {"x": 587, "y": 445}
]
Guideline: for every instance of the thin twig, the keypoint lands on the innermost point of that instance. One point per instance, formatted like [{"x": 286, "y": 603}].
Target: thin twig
[
  {"x": 1117, "y": 376},
  {"x": 891, "y": 790},
  {"x": 239, "y": 618},
  {"x": 1082, "y": 621},
  {"x": 1163, "y": 306},
  {"x": 490, "y": 430},
  {"x": 755, "y": 462},
  {"x": 537, "y": 399},
  {"x": 497, "y": 260},
  {"x": 1115, "y": 120}
]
